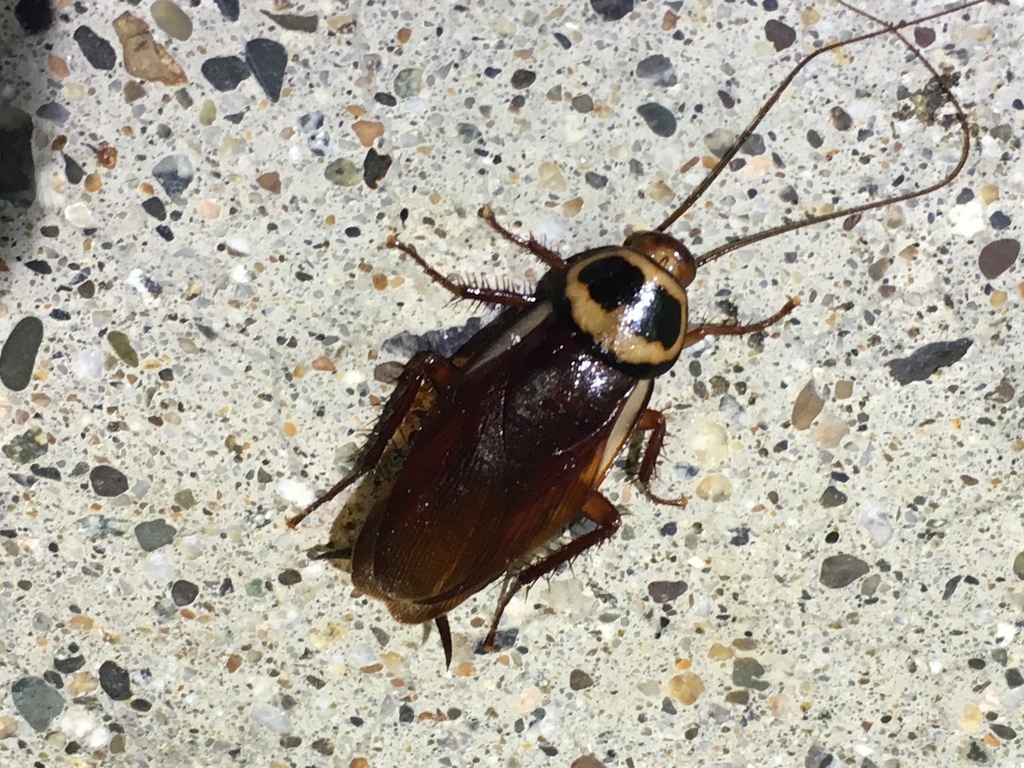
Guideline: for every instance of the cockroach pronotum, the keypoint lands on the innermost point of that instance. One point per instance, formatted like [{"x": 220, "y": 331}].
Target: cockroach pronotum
[{"x": 529, "y": 415}]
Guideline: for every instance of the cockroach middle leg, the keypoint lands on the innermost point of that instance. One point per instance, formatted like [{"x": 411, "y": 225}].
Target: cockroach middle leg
[
  {"x": 693, "y": 335},
  {"x": 501, "y": 296},
  {"x": 427, "y": 366},
  {"x": 542, "y": 252},
  {"x": 654, "y": 421},
  {"x": 600, "y": 511}
]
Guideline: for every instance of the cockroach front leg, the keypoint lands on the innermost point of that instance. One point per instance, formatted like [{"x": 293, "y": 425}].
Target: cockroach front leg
[
  {"x": 427, "y": 366},
  {"x": 501, "y": 296},
  {"x": 542, "y": 252},
  {"x": 693, "y": 335},
  {"x": 598, "y": 509},
  {"x": 654, "y": 422}
]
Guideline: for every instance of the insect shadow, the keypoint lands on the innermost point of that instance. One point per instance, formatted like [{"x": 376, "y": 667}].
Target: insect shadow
[{"x": 482, "y": 459}]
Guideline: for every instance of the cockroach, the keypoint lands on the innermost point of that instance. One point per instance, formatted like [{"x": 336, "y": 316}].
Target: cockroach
[{"x": 528, "y": 417}]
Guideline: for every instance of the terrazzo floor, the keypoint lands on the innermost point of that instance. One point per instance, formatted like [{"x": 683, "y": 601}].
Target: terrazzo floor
[{"x": 200, "y": 323}]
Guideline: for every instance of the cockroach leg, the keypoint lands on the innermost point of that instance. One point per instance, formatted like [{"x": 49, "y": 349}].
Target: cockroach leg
[
  {"x": 599, "y": 510},
  {"x": 654, "y": 421},
  {"x": 501, "y": 296},
  {"x": 693, "y": 335},
  {"x": 542, "y": 252},
  {"x": 427, "y": 366},
  {"x": 446, "y": 638}
]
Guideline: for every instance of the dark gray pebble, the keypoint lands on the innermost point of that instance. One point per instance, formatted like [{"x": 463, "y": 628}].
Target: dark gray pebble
[
  {"x": 997, "y": 257},
  {"x": 658, "y": 119},
  {"x": 184, "y": 592},
  {"x": 107, "y": 481},
  {"x": 36, "y": 701},
  {"x": 657, "y": 70},
  {"x": 154, "y": 206},
  {"x": 267, "y": 59},
  {"x": 1000, "y": 220},
  {"x": 778, "y": 34},
  {"x": 666, "y": 591},
  {"x": 229, "y": 8},
  {"x": 611, "y": 10},
  {"x": 174, "y": 173},
  {"x": 154, "y": 534},
  {"x": 56, "y": 113},
  {"x": 225, "y": 72},
  {"x": 69, "y": 665},
  {"x": 840, "y": 571},
  {"x": 73, "y": 171},
  {"x": 34, "y": 16},
  {"x": 578, "y": 680},
  {"x": 925, "y": 361},
  {"x": 293, "y": 22},
  {"x": 832, "y": 497},
  {"x": 17, "y": 165},
  {"x": 115, "y": 681},
  {"x": 18, "y": 356},
  {"x": 96, "y": 49},
  {"x": 746, "y": 673},
  {"x": 375, "y": 168}
]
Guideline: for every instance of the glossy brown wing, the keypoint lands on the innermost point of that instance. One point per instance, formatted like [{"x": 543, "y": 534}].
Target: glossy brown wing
[{"x": 504, "y": 460}]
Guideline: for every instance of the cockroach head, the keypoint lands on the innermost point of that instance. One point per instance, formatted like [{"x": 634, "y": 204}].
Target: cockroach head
[{"x": 667, "y": 252}]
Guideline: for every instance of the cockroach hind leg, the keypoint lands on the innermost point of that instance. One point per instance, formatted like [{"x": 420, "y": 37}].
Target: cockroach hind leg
[
  {"x": 608, "y": 521},
  {"x": 445, "y": 631},
  {"x": 427, "y": 366},
  {"x": 693, "y": 335}
]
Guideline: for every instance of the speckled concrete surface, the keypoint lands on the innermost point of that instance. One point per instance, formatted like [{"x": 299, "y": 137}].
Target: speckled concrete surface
[{"x": 200, "y": 322}]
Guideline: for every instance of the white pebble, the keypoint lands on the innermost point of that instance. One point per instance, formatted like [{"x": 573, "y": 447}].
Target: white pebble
[
  {"x": 242, "y": 274},
  {"x": 79, "y": 215},
  {"x": 877, "y": 524},
  {"x": 271, "y": 717},
  {"x": 89, "y": 363},
  {"x": 158, "y": 568},
  {"x": 238, "y": 246},
  {"x": 296, "y": 492}
]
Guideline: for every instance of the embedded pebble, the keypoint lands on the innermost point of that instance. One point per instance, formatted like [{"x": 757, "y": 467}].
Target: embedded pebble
[
  {"x": 997, "y": 257},
  {"x": 612, "y": 10},
  {"x": 28, "y": 446},
  {"x": 686, "y": 688},
  {"x": 107, "y": 481},
  {"x": 657, "y": 70},
  {"x": 229, "y": 8},
  {"x": 293, "y": 22},
  {"x": 154, "y": 534},
  {"x": 375, "y": 168},
  {"x": 658, "y": 118},
  {"x": 123, "y": 348},
  {"x": 184, "y": 593},
  {"x": 780, "y": 35},
  {"x": 666, "y": 591},
  {"x": 267, "y": 59},
  {"x": 18, "y": 356},
  {"x": 719, "y": 141},
  {"x": 926, "y": 360},
  {"x": 174, "y": 173},
  {"x": 715, "y": 488},
  {"x": 79, "y": 215},
  {"x": 171, "y": 19},
  {"x": 806, "y": 407},
  {"x": 97, "y": 50},
  {"x": 876, "y": 522},
  {"x": 145, "y": 58},
  {"x": 115, "y": 681},
  {"x": 408, "y": 83},
  {"x": 838, "y": 571},
  {"x": 56, "y": 113},
  {"x": 550, "y": 177},
  {"x": 271, "y": 717},
  {"x": 34, "y": 16},
  {"x": 89, "y": 363},
  {"x": 36, "y": 701},
  {"x": 747, "y": 673},
  {"x": 343, "y": 172},
  {"x": 225, "y": 72}
]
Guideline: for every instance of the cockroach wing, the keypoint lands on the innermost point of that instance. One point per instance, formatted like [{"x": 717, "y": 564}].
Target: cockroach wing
[{"x": 505, "y": 458}]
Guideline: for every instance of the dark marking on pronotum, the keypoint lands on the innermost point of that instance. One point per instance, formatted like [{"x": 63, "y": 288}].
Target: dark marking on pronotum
[{"x": 612, "y": 282}]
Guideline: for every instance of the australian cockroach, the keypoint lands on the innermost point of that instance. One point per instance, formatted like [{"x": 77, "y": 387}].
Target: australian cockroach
[{"x": 528, "y": 417}]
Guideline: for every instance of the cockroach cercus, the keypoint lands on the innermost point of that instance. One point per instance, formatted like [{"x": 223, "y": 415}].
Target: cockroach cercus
[{"x": 528, "y": 417}]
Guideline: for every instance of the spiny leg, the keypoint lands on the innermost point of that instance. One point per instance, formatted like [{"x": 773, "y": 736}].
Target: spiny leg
[
  {"x": 598, "y": 509},
  {"x": 693, "y": 335},
  {"x": 426, "y": 366},
  {"x": 542, "y": 252},
  {"x": 501, "y": 296},
  {"x": 654, "y": 421}
]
